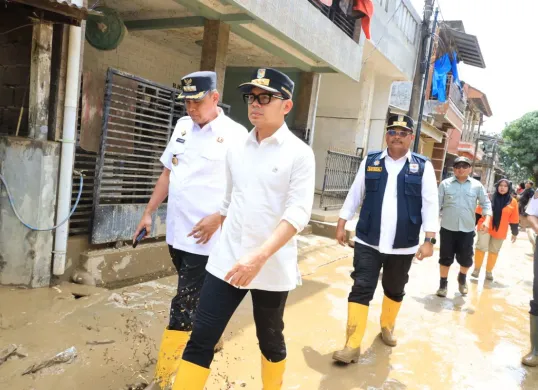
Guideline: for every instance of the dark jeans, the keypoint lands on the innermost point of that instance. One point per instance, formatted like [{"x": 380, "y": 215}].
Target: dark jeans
[
  {"x": 534, "y": 301},
  {"x": 459, "y": 244},
  {"x": 218, "y": 302},
  {"x": 367, "y": 264},
  {"x": 191, "y": 275}
]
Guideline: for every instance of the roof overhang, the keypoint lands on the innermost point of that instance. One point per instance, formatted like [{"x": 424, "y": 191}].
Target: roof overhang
[
  {"x": 61, "y": 7},
  {"x": 467, "y": 45}
]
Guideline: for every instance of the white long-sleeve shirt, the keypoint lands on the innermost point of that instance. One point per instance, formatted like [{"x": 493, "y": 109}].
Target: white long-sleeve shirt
[
  {"x": 195, "y": 158},
  {"x": 267, "y": 182},
  {"x": 389, "y": 211}
]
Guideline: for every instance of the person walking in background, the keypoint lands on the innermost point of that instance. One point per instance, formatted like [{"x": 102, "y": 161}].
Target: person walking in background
[
  {"x": 531, "y": 359},
  {"x": 505, "y": 213},
  {"x": 194, "y": 181},
  {"x": 397, "y": 192},
  {"x": 525, "y": 197},
  {"x": 458, "y": 196}
]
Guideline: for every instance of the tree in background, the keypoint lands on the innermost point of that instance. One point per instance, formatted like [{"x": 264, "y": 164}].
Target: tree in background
[{"x": 521, "y": 146}]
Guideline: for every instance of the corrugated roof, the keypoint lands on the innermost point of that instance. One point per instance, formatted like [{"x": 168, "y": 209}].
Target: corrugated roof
[
  {"x": 62, "y": 7},
  {"x": 466, "y": 44}
]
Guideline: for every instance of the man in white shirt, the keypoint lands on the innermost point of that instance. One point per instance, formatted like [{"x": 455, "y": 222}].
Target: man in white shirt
[
  {"x": 194, "y": 179},
  {"x": 397, "y": 192},
  {"x": 531, "y": 359},
  {"x": 268, "y": 201}
]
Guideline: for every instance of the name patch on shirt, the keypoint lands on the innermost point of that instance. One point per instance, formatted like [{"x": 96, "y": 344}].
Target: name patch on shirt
[
  {"x": 180, "y": 140},
  {"x": 413, "y": 168},
  {"x": 375, "y": 169}
]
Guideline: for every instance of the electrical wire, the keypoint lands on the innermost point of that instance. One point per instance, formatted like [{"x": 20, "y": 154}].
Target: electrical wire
[
  {"x": 16, "y": 28},
  {"x": 12, "y": 204}
]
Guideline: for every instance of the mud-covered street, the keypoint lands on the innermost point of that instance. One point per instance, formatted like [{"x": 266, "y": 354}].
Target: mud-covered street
[{"x": 474, "y": 342}]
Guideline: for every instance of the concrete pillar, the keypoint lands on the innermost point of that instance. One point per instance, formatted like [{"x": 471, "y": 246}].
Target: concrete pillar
[
  {"x": 30, "y": 168},
  {"x": 306, "y": 103},
  {"x": 438, "y": 158},
  {"x": 366, "y": 98},
  {"x": 215, "y": 50},
  {"x": 38, "y": 115},
  {"x": 378, "y": 117}
]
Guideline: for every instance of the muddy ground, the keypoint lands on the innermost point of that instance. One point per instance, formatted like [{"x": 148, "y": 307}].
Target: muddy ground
[{"x": 472, "y": 342}]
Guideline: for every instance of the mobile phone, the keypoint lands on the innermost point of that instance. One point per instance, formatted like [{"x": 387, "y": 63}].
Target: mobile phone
[{"x": 140, "y": 236}]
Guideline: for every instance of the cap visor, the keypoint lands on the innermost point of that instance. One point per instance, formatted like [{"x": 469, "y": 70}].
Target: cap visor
[
  {"x": 247, "y": 87},
  {"x": 402, "y": 127},
  {"x": 192, "y": 96}
]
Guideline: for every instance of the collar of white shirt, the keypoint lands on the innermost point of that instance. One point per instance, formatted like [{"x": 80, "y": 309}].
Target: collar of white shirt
[
  {"x": 386, "y": 153},
  {"x": 214, "y": 125},
  {"x": 278, "y": 136}
]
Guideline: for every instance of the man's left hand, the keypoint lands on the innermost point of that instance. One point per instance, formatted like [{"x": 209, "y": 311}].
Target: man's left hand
[
  {"x": 245, "y": 270},
  {"x": 424, "y": 251},
  {"x": 204, "y": 230}
]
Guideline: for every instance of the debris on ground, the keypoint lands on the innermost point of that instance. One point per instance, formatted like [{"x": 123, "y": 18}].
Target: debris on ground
[
  {"x": 66, "y": 356},
  {"x": 138, "y": 386},
  {"x": 103, "y": 342},
  {"x": 11, "y": 351}
]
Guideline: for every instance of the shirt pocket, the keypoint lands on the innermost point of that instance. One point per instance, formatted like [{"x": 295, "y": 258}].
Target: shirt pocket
[
  {"x": 451, "y": 197},
  {"x": 471, "y": 199},
  {"x": 178, "y": 153}
]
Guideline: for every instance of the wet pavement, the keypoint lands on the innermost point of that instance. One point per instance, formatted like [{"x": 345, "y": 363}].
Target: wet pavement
[{"x": 473, "y": 342}]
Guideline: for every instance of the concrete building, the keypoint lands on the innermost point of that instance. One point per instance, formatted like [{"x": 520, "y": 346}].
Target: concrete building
[{"x": 127, "y": 110}]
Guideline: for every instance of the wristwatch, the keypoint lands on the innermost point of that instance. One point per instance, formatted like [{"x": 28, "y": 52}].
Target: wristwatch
[{"x": 431, "y": 240}]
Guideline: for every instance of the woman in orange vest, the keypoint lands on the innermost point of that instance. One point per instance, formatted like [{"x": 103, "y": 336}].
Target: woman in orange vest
[{"x": 505, "y": 213}]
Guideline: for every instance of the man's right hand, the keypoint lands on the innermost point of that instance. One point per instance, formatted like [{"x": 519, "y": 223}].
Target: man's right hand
[
  {"x": 341, "y": 235},
  {"x": 145, "y": 222}
]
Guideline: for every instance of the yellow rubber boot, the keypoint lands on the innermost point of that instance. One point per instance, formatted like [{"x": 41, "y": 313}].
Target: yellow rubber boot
[
  {"x": 190, "y": 376},
  {"x": 357, "y": 317},
  {"x": 478, "y": 260},
  {"x": 272, "y": 374},
  {"x": 389, "y": 312},
  {"x": 172, "y": 345},
  {"x": 492, "y": 260}
]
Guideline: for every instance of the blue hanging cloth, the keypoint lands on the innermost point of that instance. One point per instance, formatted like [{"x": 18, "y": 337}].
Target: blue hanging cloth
[{"x": 441, "y": 67}]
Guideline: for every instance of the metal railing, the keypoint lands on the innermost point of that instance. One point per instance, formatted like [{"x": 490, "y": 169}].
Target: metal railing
[
  {"x": 458, "y": 97},
  {"x": 340, "y": 171},
  {"x": 406, "y": 22},
  {"x": 334, "y": 14}
]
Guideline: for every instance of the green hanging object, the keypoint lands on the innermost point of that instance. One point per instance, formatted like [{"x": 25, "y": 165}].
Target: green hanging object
[{"x": 107, "y": 31}]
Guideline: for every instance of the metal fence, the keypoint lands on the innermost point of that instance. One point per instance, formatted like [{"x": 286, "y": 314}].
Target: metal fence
[
  {"x": 139, "y": 117},
  {"x": 340, "y": 171}
]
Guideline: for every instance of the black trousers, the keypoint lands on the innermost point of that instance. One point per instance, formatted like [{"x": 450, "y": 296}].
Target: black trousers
[
  {"x": 534, "y": 301},
  {"x": 459, "y": 244},
  {"x": 218, "y": 302},
  {"x": 192, "y": 273},
  {"x": 367, "y": 264}
]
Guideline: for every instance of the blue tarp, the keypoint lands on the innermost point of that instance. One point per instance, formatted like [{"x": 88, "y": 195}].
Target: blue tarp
[{"x": 442, "y": 66}]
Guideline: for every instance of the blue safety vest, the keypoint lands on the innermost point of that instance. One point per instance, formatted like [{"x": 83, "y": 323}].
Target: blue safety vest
[{"x": 409, "y": 189}]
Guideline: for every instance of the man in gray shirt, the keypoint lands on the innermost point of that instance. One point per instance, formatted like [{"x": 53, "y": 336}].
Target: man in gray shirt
[{"x": 458, "y": 198}]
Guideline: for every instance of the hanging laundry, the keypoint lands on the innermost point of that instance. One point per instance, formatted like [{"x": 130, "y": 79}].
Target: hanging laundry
[
  {"x": 367, "y": 8},
  {"x": 359, "y": 9},
  {"x": 441, "y": 67}
]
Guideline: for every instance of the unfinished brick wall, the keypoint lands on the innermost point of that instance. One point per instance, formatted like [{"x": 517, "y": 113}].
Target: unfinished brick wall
[{"x": 15, "y": 49}]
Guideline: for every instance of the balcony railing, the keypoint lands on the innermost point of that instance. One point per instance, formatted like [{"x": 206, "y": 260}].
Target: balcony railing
[
  {"x": 334, "y": 14},
  {"x": 458, "y": 97}
]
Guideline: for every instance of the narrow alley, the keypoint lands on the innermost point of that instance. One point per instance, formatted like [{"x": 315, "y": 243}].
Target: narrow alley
[{"x": 454, "y": 343}]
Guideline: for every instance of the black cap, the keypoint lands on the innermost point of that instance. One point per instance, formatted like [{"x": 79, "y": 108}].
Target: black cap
[
  {"x": 271, "y": 80},
  {"x": 196, "y": 85},
  {"x": 462, "y": 159},
  {"x": 402, "y": 121}
]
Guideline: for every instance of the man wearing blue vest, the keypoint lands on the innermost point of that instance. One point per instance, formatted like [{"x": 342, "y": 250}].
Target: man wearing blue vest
[{"x": 397, "y": 190}]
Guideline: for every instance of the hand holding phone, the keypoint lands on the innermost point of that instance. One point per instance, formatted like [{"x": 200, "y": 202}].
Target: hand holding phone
[{"x": 140, "y": 236}]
